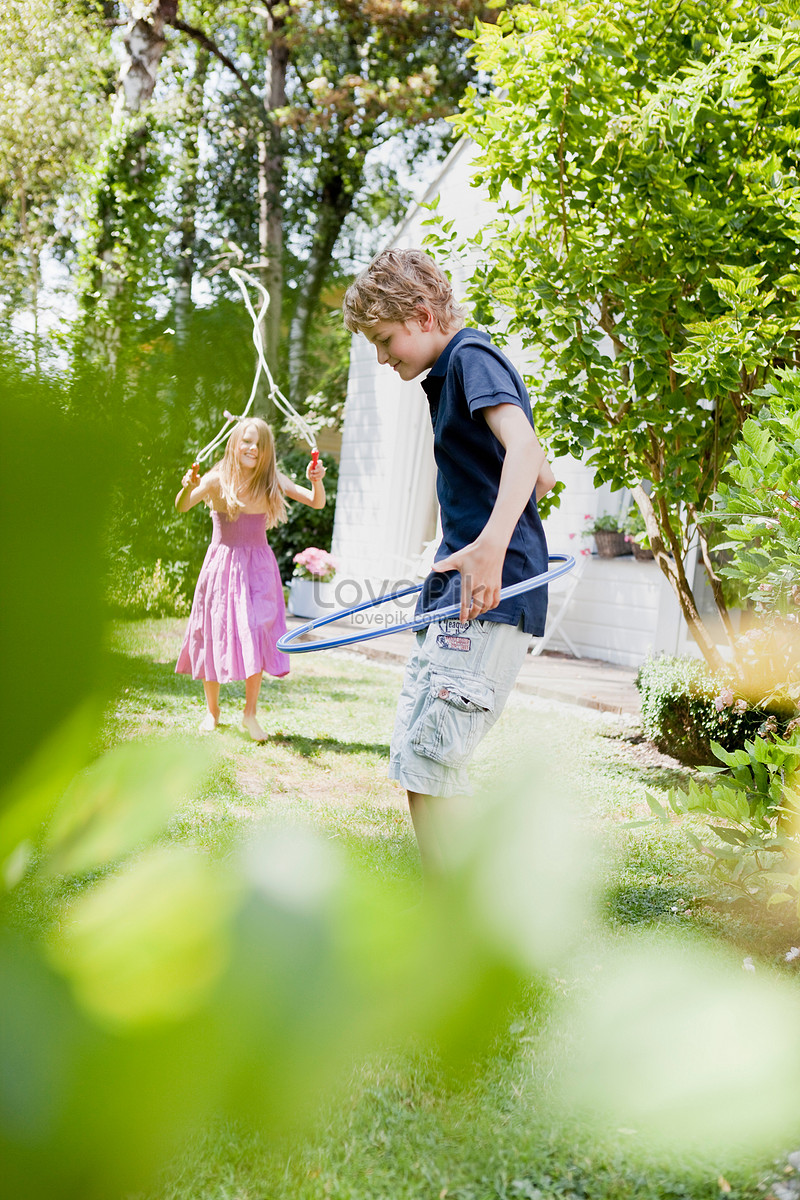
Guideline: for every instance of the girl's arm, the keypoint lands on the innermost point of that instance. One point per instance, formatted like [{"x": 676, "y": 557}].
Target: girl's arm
[
  {"x": 194, "y": 488},
  {"x": 315, "y": 497}
]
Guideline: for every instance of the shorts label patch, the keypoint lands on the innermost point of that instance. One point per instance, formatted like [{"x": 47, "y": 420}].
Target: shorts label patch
[
  {"x": 451, "y": 641},
  {"x": 451, "y": 625}
]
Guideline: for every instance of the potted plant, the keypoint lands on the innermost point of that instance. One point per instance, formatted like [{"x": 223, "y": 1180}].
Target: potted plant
[
  {"x": 310, "y": 593},
  {"x": 609, "y": 535},
  {"x": 636, "y": 534}
]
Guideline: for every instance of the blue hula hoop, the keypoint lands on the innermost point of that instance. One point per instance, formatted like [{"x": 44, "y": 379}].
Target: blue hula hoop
[{"x": 287, "y": 643}]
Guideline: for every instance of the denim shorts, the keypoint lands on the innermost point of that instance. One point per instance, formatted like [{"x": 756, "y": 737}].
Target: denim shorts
[{"x": 456, "y": 683}]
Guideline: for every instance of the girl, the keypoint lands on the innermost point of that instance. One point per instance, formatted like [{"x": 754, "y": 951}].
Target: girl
[{"x": 237, "y": 612}]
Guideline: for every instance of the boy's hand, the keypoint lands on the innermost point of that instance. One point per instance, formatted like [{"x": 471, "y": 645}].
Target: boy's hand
[
  {"x": 192, "y": 477},
  {"x": 480, "y": 566}
]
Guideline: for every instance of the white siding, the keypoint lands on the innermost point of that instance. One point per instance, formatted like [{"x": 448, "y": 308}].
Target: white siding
[
  {"x": 615, "y": 610},
  {"x": 386, "y": 506}
]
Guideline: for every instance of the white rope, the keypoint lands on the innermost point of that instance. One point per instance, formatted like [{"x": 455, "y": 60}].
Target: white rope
[{"x": 276, "y": 396}]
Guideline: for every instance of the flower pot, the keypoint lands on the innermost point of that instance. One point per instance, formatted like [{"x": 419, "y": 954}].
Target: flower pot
[
  {"x": 311, "y": 598},
  {"x": 642, "y": 553},
  {"x": 611, "y": 544}
]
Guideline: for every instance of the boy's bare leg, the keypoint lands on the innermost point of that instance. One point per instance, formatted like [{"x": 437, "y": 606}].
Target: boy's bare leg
[
  {"x": 252, "y": 686},
  {"x": 211, "y": 719},
  {"x": 430, "y": 816}
]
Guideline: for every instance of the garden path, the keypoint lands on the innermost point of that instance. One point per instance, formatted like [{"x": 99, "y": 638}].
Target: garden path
[{"x": 589, "y": 682}]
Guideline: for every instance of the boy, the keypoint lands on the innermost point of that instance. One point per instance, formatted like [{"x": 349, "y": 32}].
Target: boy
[{"x": 490, "y": 471}]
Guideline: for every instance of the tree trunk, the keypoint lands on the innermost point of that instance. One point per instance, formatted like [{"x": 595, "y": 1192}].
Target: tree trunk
[
  {"x": 670, "y": 560},
  {"x": 270, "y": 186},
  {"x": 34, "y": 265},
  {"x": 144, "y": 45},
  {"x": 333, "y": 211},
  {"x": 188, "y": 199},
  {"x": 714, "y": 578}
]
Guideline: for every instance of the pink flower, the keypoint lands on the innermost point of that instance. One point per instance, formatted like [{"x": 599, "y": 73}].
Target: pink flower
[
  {"x": 724, "y": 699},
  {"x": 314, "y": 563}
]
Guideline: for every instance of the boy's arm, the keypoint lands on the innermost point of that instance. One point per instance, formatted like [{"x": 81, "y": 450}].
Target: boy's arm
[
  {"x": 546, "y": 481},
  {"x": 481, "y": 562}
]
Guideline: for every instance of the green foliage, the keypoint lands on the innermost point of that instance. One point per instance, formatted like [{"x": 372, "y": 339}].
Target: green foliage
[
  {"x": 753, "y": 801},
  {"x": 686, "y": 709},
  {"x": 171, "y": 405},
  {"x": 53, "y": 116},
  {"x": 605, "y": 523},
  {"x": 151, "y": 983},
  {"x": 52, "y": 557},
  {"x": 305, "y": 526},
  {"x": 757, "y": 504},
  {"x": 644, "y": 161},
  {"x": 633, "y": 525},
  {"x": 141, "y": 591},
  {"x": 144, "y": 207},
  {"x": 122, "y": 267}
]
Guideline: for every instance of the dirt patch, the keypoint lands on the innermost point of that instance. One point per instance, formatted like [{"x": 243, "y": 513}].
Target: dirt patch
[{"x": 646, "y": 754}]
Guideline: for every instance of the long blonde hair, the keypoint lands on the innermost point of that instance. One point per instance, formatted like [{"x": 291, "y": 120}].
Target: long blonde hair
[{"x": 237, "y": 489}]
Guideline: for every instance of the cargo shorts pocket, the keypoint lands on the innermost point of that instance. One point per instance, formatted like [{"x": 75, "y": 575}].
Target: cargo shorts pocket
[{"x": 452, "y": 718}]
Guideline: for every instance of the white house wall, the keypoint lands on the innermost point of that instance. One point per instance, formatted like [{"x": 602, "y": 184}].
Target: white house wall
[
  {"x": 386, "y": 501},
  {"x": 621, "y": 609}
]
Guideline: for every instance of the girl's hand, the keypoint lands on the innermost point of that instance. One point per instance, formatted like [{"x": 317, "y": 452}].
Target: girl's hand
[
  {"x": 315, "y": 472},
  {"x": 192, "y": 476}
]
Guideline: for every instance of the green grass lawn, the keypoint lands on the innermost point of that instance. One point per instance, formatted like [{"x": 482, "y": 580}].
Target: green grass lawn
[{"x": 402, "y": 1130}]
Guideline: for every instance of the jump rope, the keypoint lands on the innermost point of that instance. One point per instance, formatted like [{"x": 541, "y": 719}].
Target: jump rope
[
  {"x": 275, "y": 395},
  {"x": 288, "y": 643}
]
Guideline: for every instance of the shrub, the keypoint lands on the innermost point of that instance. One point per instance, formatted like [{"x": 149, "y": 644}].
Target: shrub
[
  {"x": 138, "y": 590},
  {"x": 686, "y": 707},
  {"x": 752, "y": 803},
  {"x": 305, "y": 526},
  {"x": 757, "y": 505},
  {"x": 634, "y": 527}
]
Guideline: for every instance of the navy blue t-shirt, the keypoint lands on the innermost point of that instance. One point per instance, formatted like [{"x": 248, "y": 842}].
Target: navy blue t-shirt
[{"x": 471, "y": 374}]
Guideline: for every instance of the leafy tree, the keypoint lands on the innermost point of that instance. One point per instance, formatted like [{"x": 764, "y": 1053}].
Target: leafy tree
[
  {"x": 295, "y": 101},
  {"x": 53, "y": 77},
  {"x": 647, "y": 246},
  {"x": 757, "y": 508},
  {"x": 758, "y": 504},
  {"x": 230, "y": 135},
  {"x": 304, "y": 526}
]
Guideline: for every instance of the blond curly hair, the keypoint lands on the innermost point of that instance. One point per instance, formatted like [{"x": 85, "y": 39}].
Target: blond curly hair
[{"x": 396, "y": 286}]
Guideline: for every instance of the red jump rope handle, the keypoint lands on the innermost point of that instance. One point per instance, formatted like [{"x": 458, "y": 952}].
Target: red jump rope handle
[{"x": 314, "y": 457}]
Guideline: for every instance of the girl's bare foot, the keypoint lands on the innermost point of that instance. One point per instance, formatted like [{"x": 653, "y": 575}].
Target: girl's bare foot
[
  {"x": 208, "y": 724},
  {"x": 250, "y": 725}
]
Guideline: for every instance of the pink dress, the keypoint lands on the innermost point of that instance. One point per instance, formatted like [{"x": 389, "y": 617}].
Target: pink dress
[{"x": 238, "y": 612}]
